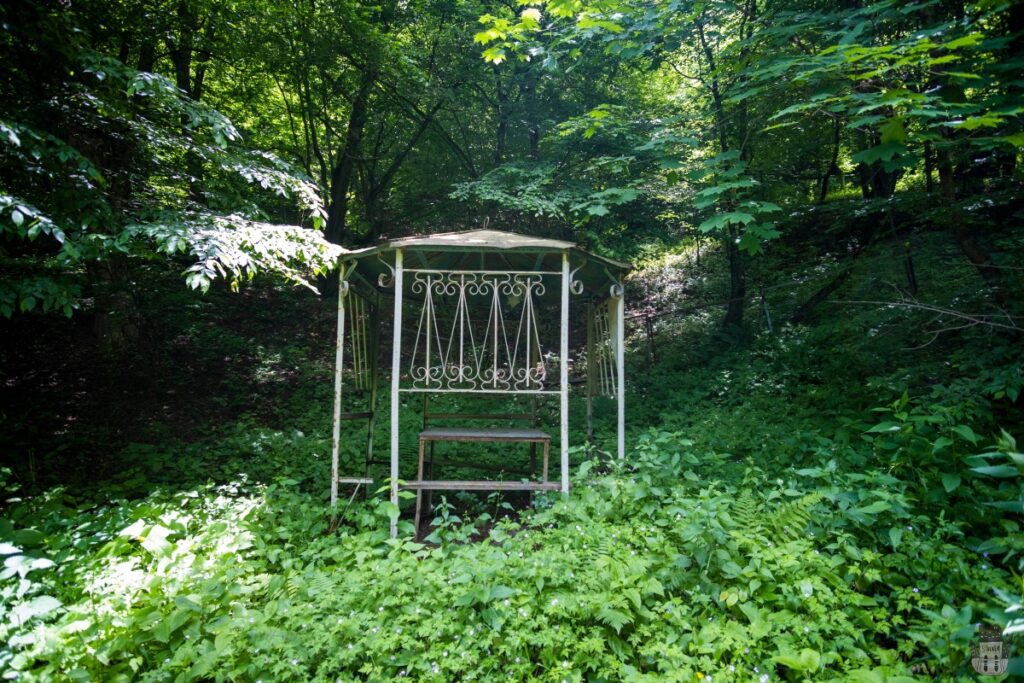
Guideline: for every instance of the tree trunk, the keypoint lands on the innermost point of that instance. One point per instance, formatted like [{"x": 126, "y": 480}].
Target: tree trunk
[
  {"x": 804, "y": 309},
  {"x": 147, "y": 56},
  {"x": 377, "y": 187},
  {"x": 182, "y": 52},
  {"x": 929, "y": 184},
  {"x": 833, "y": 164},
  {"x": 529, "y": 94},
  {"x": 502, "y": 133},
  {"x": 116, "y": 312},
  {"x": 737, "y": 283},
  {"x": 737, "y": 273},
  {"x": 963, "y": 234},
  {"x": 341, "y": 176}
]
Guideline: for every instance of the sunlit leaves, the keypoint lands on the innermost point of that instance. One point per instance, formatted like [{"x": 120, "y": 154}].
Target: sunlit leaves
[
  {"x": 161, "y": 92},
  {"x": 156, "y": 127},
  {"x": 236, "y": 249},
  {"x": 905, "y": 84},
  {"x": 804, "y": 660},
  {"x": 889, "y": 154}
]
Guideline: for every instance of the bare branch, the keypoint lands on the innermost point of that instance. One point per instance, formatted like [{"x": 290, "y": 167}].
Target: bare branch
[{"x": 989, "y": 320}]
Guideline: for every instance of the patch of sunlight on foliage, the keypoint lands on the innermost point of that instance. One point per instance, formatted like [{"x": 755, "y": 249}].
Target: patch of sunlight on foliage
[{"x": 681, "y": 561}]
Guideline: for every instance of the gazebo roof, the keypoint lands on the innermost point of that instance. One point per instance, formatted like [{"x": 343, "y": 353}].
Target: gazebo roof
[{"x": 487, "y": 250}]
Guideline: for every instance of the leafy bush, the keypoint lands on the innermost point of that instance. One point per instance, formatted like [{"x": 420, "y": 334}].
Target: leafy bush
[{"x": 680, "y": 565}]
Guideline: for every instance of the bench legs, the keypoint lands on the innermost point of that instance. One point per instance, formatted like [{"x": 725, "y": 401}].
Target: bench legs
[
  {"x": 419, "y": 492},
  {"x": 547, "y": 453},
  {"x": 420, "y": 466},
  {"x": 430, "y": 475}
]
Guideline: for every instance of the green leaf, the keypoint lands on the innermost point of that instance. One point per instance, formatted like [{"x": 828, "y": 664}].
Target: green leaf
[
  {"x": 895, "y": 536},
  {"x": 28, "y": 538},
  {"x": 38, "y": 606},
  {"x": 865, "y": 676},
  {"x": 614, "y": 618},
  {"x": 1000, "y": 471},
  {"x": 884, "y": 427},
  {"x": 392, "y": 511},
  {"x": 495, "y": 55},
  {"x": 893, "y": 131},
  {"x": 967, "y": 433},
  {"x": 155, "y": 539},
  {"x": 865, "y": 121},
  {"x": 884, "y": 152},
  {"x": 806, "y": 660},
  {"x": 1009, "y": 505},
  {"x": 874, "y": 508},
  {"x": 950, "y": 482},
  {"x": 501, "y": 592},
  {"x": 750, "y": 243},
  {"x": 964, "y": 41}
]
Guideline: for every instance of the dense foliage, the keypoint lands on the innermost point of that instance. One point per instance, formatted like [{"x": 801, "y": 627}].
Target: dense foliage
[{"x": 828, "y": 486}]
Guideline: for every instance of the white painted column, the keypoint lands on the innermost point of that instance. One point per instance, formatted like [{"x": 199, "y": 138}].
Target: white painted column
[
  {"x": 339, "y": 361},
  {"x": 396, "y": 362},
  {"x": 563, "y": 355},
  {"x": 620, "y": 364}
]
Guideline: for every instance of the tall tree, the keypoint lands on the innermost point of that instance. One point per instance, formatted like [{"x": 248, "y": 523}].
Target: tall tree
[{"x": 91, "y": 166}]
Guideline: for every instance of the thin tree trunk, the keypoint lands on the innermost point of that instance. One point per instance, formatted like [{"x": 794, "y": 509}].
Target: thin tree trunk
[
  {"x": 147, "y": 56},
  {"x": 963, "y": 234},
  {"x": 737, "y": 282},
  {"x": 181, "y": 49},
  {"x": 341, "y": 176},
  {"x": 378, "y": 188},
  {"x": 115, "y": 309},
  {"x": 833, "y": 164},
  {"x": 528, "y": 93},
  {"x": 309, "y": 120},
  {"x": 502, "y": 133},
  {"x": 804, "y": 309},
  {"x": 929, "y": 184},
  {"x": 737, "y": 274}
]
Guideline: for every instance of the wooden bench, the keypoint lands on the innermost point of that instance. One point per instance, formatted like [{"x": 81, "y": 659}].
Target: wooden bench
[{"x": 433, "y": 435}]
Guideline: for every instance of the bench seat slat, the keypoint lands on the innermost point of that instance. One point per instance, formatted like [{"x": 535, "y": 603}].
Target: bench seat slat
[
  {"x": 451, "y": 485},
  {"x": 463, "y": 434}
]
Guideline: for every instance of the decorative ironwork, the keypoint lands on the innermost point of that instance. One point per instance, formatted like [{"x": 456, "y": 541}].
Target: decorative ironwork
[
  {"x": 501, "y": 354},
  {"x": 386, "y": 279},
  {"x": 575, "y": 286},
  {"x": 602, "y": 364},
  {"x": 360, "y": 316}
]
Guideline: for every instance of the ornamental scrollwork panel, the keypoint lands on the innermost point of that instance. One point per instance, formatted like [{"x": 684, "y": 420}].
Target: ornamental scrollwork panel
[{"x": 477, "y": 331}]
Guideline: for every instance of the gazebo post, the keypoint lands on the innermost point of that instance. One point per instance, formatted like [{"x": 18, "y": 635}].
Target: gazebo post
[
  {"x": 339, "y": 360},
  {"x": 563, "y": 355},
  {"x": 620, "y": 364},
  {"x": 396, "y": 362}
]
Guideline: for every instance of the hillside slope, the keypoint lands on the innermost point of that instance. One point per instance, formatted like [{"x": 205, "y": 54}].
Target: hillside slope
[{"x": 825, "y": 501}]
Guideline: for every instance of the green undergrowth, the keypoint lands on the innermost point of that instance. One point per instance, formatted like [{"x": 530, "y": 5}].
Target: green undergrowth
[
  {"x": 826, "y": 502},
  {"x": 679, "y": 565}
]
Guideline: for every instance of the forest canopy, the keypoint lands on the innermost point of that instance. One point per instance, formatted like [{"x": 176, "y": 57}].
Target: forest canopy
[{"x": 148, "y": 130}]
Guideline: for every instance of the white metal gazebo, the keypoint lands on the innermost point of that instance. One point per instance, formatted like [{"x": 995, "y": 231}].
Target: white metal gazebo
[{"x": 473, "y": 313}]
